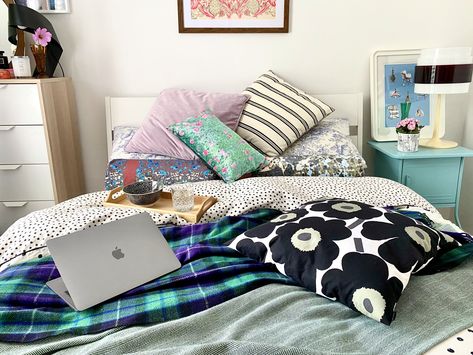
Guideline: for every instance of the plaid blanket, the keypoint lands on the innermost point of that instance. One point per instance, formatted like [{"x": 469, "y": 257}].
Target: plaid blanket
[{"x": 211, "y": 273}]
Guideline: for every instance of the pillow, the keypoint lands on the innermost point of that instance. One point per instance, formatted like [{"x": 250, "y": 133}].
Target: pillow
[
  {"x": 323, "y": 151},
  {"x": 222, "y": 149},
  {"x": 278, "y": 114},
  {"x": 175, "y": 105},
  {"x": 357, "y": 254}
]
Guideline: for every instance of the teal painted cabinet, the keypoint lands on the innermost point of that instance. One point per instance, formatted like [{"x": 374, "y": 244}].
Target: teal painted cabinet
[{"x": 435, "y": 174}]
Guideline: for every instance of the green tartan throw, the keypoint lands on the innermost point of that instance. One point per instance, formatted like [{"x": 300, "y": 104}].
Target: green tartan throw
[{"x": 211, "y": 273}]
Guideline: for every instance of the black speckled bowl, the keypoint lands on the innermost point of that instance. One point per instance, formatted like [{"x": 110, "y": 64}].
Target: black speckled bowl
[{"x": 143, "y": 193}]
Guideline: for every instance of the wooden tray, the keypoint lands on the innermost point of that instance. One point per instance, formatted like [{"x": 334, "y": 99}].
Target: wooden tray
[{"x": 117, "y": 198}]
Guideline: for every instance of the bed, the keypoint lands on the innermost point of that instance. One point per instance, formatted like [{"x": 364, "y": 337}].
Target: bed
[{"x": 267, "y": 314}]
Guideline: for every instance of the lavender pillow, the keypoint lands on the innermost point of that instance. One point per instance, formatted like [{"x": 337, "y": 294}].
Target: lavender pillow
[{"x": 174, "y": 106}]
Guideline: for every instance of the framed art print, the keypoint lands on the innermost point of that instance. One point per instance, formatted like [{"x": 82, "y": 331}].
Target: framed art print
[
  {"x": 47, "y": 6},
  {"x": 393, "y": 97},
  {"x": 233, "y": 16}
]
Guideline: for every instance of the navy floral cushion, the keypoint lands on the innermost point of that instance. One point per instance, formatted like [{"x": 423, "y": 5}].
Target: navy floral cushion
[{"x": 360, "y": 255}]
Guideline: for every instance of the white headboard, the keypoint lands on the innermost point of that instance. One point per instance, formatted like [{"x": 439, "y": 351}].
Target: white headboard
[{"x": 130, "y": 111}]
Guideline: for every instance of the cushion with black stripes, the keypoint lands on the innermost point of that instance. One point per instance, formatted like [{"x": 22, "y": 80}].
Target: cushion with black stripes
[{"x": 278, "y": 114}]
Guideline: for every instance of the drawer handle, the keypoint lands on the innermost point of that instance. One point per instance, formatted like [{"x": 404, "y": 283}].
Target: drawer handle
[
  {"x": 15, "y": 204},
  {"x": 6, "y": 128},
  {"x": 9, "y": 167}
]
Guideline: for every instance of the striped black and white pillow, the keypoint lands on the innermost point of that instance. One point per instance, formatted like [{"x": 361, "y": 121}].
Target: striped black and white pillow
[{"x": 278, "y": 114}]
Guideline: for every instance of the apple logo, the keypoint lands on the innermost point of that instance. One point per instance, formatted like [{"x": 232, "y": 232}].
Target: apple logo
[{"x": 117, "y": 254}]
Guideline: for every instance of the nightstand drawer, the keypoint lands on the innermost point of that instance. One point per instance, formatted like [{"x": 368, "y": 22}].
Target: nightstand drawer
[
  {"x": 25, "y": 183},
  {"x": 11, "y": 211},
  {"x": 20, "y": 104},
  {"x": 435, "y": 179},
  {"x": 23, "y": 145}
]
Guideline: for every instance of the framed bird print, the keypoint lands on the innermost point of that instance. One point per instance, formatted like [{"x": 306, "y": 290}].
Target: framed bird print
[{"x": 393, "y": 97}]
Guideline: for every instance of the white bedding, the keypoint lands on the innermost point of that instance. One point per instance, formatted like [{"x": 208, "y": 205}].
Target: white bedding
[{"x": 26, "y": 238}]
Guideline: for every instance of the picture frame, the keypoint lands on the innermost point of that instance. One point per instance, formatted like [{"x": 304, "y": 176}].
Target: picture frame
[
  {"x": 393, "y": 97},
  {"x": 257, "y": 16},
  {"x": 47, "y": 6}
]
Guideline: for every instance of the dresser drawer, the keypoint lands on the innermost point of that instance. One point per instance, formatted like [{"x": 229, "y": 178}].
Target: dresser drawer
[
  {"x": 434, "y": 179},
  {"x": 25, "y": 183},
  {"x": 11, "y": 211},
  {"x": 23, "y": 145},
  {"x": 20, "y": 104}
]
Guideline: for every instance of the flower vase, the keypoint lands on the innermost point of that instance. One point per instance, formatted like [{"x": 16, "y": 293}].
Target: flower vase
[
  {"x": 408, "y": 142},
  {"x": 39, "y": 53}
]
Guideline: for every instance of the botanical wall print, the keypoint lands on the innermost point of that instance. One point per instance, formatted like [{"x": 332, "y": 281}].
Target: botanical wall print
[{"x": 233, "y": 16}]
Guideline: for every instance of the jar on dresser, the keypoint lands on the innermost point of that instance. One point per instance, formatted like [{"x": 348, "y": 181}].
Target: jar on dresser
[{"x": 40, "y": 158}]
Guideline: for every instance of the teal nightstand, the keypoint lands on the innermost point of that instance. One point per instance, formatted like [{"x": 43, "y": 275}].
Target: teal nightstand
[{"x": 435, "y": 174}]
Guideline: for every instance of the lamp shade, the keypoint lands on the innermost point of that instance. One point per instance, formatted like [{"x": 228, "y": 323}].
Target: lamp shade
[{"x": 444, "y": 71}]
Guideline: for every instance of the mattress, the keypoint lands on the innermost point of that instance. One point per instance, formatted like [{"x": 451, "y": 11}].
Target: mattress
[{"x": 274, "y": 318}]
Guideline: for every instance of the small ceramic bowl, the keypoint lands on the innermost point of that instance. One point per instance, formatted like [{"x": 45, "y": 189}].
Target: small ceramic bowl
[{"x": 143, "y": 193}]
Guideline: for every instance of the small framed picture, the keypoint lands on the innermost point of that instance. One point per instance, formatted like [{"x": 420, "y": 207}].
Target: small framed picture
[
  {"x": 393, "y": 97},
  {"x": 233, "y": 16},
  {"x": 47, "y": 6}
]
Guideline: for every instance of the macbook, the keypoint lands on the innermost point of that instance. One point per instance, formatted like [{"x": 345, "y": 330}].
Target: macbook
[{"x": 99, "y": 263}]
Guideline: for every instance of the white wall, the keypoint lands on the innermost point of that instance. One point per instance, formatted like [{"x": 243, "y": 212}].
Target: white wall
[
  {"x": 133, "y": 48},
  {"x": 4, "y": 44},
  {"x": 466, "y": 206}
]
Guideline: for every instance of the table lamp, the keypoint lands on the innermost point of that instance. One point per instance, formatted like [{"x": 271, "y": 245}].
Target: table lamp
[{"x": 442, "y": 71}]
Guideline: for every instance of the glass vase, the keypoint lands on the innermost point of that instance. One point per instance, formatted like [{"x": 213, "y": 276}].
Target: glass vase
[
  {"x": 408, "y": 142},
  {"x": 39, "y": 53}
]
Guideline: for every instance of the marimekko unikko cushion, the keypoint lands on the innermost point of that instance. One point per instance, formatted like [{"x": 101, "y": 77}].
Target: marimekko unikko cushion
[
  {"x": 357, "y": 254},
  {"x": 223, "y": 150}
]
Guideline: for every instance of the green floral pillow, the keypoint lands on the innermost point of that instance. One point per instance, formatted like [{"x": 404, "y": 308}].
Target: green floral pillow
[{"x": 229, "y": 155}]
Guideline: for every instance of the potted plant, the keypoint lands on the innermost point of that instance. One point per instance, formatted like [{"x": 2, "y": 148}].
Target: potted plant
[
  {"x": 41, "y": 38},
  {"x": 408, "y": 133}
]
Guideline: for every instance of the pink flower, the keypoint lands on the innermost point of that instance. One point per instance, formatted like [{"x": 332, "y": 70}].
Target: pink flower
[
  {"x": 204, "y": 115},
  {"x": 205, "y": 152},
  {"x": 403, "y": 123},
  {"x": 247, "y": 151},
  {"x": 250, "y": 158},
  {"x": 181, "y": 133},
  {"x": 233, "y": 166},
  {"x": 196, "y": 130},
  {"x": 224, "y": 170},
  {"x": 411, "y": 126},
  {"x": 42, "y": 37},
  {"x": 398, "y": 125},
  {"x": 191, "y": 141},
  {"x": 199, "y": 123}
]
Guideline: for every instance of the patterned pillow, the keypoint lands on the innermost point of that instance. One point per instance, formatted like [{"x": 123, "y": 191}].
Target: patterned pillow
[
  {"x": 278, "y": 114},
  {"x": 357, "y": 254},
  {"x": 223, "y": 150}
]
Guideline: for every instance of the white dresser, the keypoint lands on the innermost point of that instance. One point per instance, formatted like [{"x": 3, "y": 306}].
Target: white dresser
[{"x": 40, "y": 159}]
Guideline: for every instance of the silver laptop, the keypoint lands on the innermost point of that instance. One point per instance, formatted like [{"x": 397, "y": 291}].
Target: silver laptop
[{"x": 99, "y": 263}]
